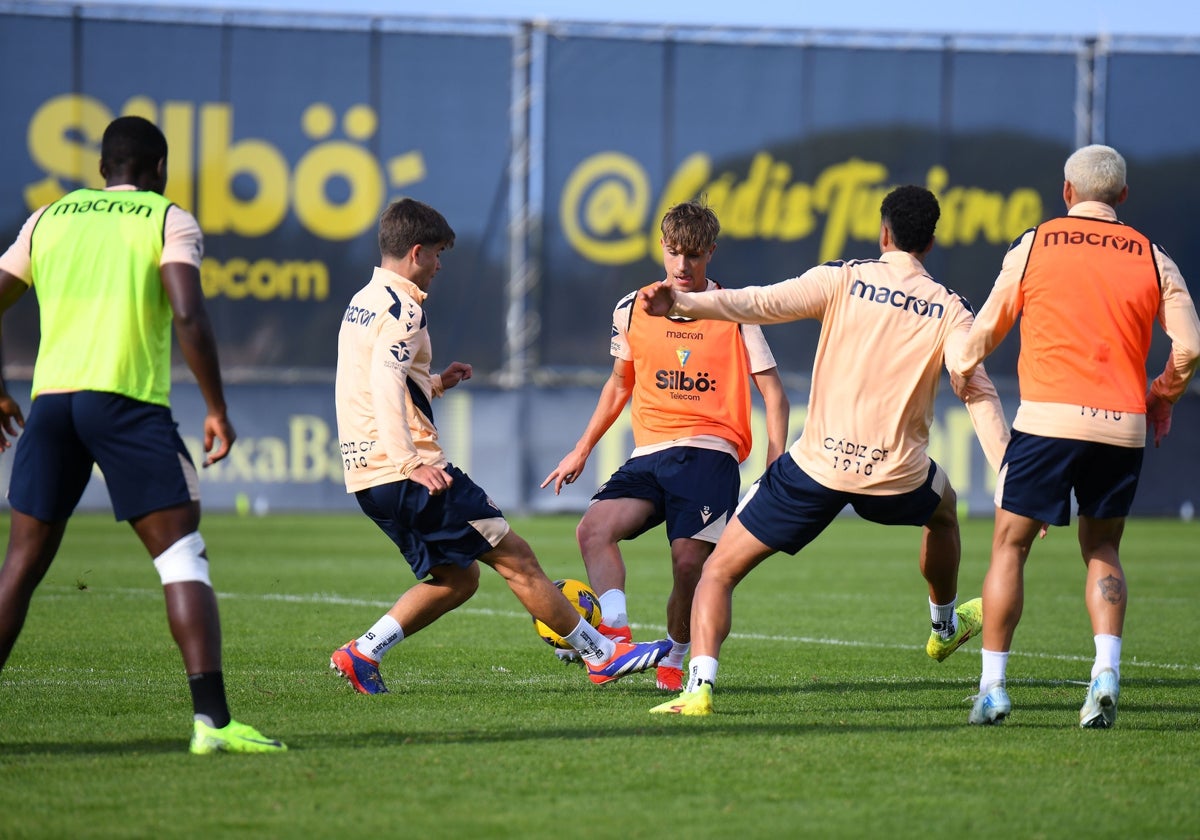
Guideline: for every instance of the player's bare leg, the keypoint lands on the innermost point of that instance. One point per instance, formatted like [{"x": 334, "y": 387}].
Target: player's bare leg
[
  {"x": 737, "y": 553},
  {"x": 602, "y": 527},
  {"x": 1106, "y": 595},
  {"x": 735, "y": 556},
  {"x": 941, "y": 550},
  {"x": 32, "y": 545},
  {"x": 448, "y": 588},
  {"x": 192, "y": 611},
  {"x": 687, "y": 563},
  {"x": 953, "y": 623},
  {"x": 1004, "y": 584},
  {"x": 515, "y": 561}
]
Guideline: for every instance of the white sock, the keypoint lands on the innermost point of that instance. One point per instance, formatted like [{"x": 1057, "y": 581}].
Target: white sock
[
  {"x": 384, "y": 635},
  {"x": 679, "y": 650},
  {"x": 703, "y": 669},
  {"x": 943, "y": 618},
  {"x": 995, "y": 666},
  {"x": 1108, "y": 655},
  {"x": 592, "y": 645},
  {"x": 612, "y": 607}
]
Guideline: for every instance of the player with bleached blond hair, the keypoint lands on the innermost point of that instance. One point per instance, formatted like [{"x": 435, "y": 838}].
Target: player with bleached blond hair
[{"x": 1088, "y": 290}]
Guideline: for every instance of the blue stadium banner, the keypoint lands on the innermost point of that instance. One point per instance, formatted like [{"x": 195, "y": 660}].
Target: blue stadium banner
[
  {"x": 794, "y": 147},
  {"x": 554, "y": 150},
  {"x": 286, "y": 161}
]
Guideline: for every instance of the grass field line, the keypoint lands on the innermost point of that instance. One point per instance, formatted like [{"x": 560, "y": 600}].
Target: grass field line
[{"x": 339, "y": 600}]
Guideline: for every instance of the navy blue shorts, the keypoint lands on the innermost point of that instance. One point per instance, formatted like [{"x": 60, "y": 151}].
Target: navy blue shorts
[
  {"x": 693, "y": 490},
  {"x": 436, "y": 530},
  {"x": 136, "y": 444},
  {"x": 1038, "y": 474},
  {"x": 786, "y": 509}
]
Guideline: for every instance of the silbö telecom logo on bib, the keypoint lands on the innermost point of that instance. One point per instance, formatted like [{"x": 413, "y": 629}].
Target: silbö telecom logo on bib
[{"x": 680, "y": 384}]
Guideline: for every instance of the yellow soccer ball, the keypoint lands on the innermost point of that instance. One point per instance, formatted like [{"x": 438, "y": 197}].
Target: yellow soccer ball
[{"x": 585, "y": 602}]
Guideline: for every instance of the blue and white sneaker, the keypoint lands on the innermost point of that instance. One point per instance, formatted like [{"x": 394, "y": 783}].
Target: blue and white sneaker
[
  {"x": 629, "y": 658},
  {"x": 991, "y": 706},
  {"x": 360, "y": 671},
  {"x": 1100, "y": 708}
]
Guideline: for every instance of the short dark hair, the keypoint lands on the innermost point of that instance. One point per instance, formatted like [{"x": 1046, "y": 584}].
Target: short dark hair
[
  {"x": 691, "y": 227},
  {"x": 912, "y": 213},
  {"x": 132, "y": 144},
  {"x": 408, "y": 222}
]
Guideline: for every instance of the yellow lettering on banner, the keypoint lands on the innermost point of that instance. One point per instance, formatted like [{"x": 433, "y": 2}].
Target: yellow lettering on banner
[
  {"x": 272, "y": 461},
  {"x": 64, "y": 141},
  {"x": 968, "y": 212},
  {"x": 311, "y": 446},
  {"x": 338, "y": 159},
  {"x": 222, "y": 160},
  {"x": 686, "y": 183},
  {"x": 605, "y": 200},
  {"x": 264, "y": 279},
  {"x": 608, "y": 195},
  {"x": 239, "y": 186}
]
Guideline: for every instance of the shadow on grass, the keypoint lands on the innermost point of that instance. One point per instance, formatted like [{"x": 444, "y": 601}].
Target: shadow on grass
[{"x": 1029, "y": 697}]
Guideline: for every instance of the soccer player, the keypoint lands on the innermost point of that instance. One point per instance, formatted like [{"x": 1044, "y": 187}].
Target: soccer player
[
  {"x": 690, "y": 386},
  {"x": 886, "y": 329},
  {"x": 1088, "y": 290},
  {"x": 442, "y": 522},
  {"x": 113, "y": 269}
]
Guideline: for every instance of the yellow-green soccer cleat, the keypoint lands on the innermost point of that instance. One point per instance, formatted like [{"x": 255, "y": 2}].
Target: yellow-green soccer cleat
[
  {"x": 690, "y": 703},
  {"x": 970, "y": 622},
  {"x": 234, "y": 737}
]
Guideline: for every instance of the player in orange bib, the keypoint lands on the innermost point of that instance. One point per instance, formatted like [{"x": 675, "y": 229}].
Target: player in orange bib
[
  {"x": 1088, "y": 290},
  {"x": 690, "y": 386}
]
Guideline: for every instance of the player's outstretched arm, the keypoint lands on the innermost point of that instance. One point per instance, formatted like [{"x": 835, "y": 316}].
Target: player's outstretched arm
[{"x": 609, "y": 406}]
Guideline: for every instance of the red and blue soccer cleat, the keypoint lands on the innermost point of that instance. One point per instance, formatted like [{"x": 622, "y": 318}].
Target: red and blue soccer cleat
[
  {"x": 629, "y": 658},
  {"x": 360, "y": 671}
]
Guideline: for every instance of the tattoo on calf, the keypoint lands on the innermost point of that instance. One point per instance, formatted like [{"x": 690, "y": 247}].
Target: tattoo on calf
[{"x": 1112, "y": 588}]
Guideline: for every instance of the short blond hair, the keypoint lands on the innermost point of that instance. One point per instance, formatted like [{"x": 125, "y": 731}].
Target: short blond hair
[{"x": 1097, "y": 173}]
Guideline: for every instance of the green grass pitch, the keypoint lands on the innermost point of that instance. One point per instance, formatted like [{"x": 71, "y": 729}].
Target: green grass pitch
[{"x": 831, "y": 721}]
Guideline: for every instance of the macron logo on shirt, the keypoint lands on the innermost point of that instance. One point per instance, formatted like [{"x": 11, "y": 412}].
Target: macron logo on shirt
[{"x": 897, "y": 298}]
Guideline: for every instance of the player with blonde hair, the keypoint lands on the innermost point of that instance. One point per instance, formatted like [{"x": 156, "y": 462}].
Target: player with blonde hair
[
  {"x": 1087, "y": 289},
  {"x": 689, "y": 383}
]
